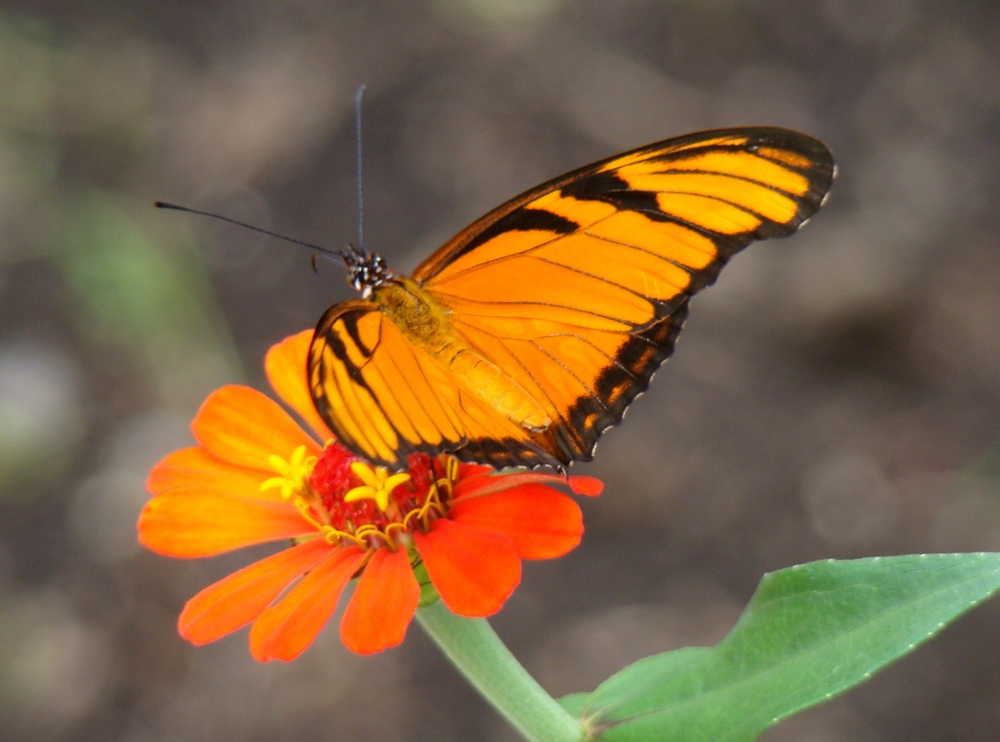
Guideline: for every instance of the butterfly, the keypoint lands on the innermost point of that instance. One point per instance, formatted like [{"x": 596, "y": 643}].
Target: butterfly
[{"x": 525, "y": 336}]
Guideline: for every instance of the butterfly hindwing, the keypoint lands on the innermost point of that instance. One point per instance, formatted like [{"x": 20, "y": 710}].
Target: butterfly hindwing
[{"x": 385, "y": 398}]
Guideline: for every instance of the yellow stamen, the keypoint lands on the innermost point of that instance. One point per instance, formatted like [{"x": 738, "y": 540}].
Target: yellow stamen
[
  {"x": 450, "y": 475},
  {"x": 433, "y": 501},
  {"x": 378, "y": 484},
  {"x": 334, "y": 537}
]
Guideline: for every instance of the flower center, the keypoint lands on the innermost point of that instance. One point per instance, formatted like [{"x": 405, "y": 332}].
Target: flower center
[{"x": 347, "y": 499}]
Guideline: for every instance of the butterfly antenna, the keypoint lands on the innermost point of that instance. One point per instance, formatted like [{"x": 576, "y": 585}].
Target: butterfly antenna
[
  {"x": 358, "y": 98},
  {"x": 325, "y": 250}
]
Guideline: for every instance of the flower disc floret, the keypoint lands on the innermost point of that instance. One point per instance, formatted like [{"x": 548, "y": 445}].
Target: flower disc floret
[{"x": 349, "y": 501}]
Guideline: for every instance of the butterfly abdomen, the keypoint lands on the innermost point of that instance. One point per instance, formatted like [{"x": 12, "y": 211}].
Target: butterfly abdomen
[{"x": 425, "y": 323}]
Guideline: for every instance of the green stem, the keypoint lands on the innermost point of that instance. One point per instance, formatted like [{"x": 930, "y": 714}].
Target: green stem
[{"x": 477, "y": 652}]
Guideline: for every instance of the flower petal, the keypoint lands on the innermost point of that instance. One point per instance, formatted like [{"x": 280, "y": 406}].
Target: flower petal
[
  {"x": 587, "y": 486},
  {"x": 543, "y": 522},
  {"x": 286, "y": 629},
  {"x": 285, "y": 365},
  {"x": 196, "y": 466},
  {"x": 197, "y": 522},
  {"x": 383, "y": 603},
  {"x": 488, "y": 483},
  {"x": 238, "y": 599},
  {"x": 242, "y": 426},
  {"x": 474, "y": 571},
  {"x": 466, "y": 471}
]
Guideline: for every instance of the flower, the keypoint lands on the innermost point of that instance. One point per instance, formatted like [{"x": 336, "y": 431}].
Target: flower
[{"x": 441, "y": 528}]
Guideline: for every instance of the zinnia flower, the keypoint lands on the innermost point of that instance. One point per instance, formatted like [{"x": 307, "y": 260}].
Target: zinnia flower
[{"x": 440, "y": 528}]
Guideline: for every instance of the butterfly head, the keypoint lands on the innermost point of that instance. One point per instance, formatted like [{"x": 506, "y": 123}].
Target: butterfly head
[{"x": 365, "y": 271}]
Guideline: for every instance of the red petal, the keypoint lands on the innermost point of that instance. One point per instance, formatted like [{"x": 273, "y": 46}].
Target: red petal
[
  {"x": 244, "y": 427},
  {"x": 196, "y": 466},
  {"x": 383, "y": 603},
  {"x": 198, "y": 522},
  {"x": 474, "y": 571},
  {"x": 543, "y": 522},
  {"x": 588, "y": 486},
  {"x": 485, "y": 484},
  {"x": 485, "y": 481},
  {"x": 466, "y": 471},
  {"x": 285, "y": 365},
  {"x": 286, "y": 629},
  {"x": 238, "y": 599}
]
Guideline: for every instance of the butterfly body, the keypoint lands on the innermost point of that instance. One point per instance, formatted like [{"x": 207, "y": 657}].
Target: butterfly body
[
  {"x": 424, "y": 322},
  {"x": 529, "y": 333}
]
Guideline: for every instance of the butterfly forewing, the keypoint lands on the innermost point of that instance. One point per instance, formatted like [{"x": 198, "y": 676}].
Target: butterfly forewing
[{"x": 576, "y": 290}]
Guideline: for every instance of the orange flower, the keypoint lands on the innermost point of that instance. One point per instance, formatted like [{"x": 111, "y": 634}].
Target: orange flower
[{"x": 257, "y": 476}]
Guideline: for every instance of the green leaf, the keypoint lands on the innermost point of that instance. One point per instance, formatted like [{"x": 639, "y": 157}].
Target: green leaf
[
  {"x": 809, "y": 633},
  {"x": 574, "y": 703}
]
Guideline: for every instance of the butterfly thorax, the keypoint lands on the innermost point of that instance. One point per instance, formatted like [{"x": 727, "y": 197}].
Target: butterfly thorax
[{"x": 424, "y": 322}]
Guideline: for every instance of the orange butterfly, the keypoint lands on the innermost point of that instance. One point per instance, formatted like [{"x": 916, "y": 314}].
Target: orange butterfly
[{"x": 527, "y": 335}]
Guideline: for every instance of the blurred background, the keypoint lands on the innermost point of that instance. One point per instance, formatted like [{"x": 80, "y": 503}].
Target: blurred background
[{"x": 835, "y": 395}]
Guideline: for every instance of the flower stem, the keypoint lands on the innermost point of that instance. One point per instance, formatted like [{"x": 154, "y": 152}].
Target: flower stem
[{"x": 475, "y": 649}]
